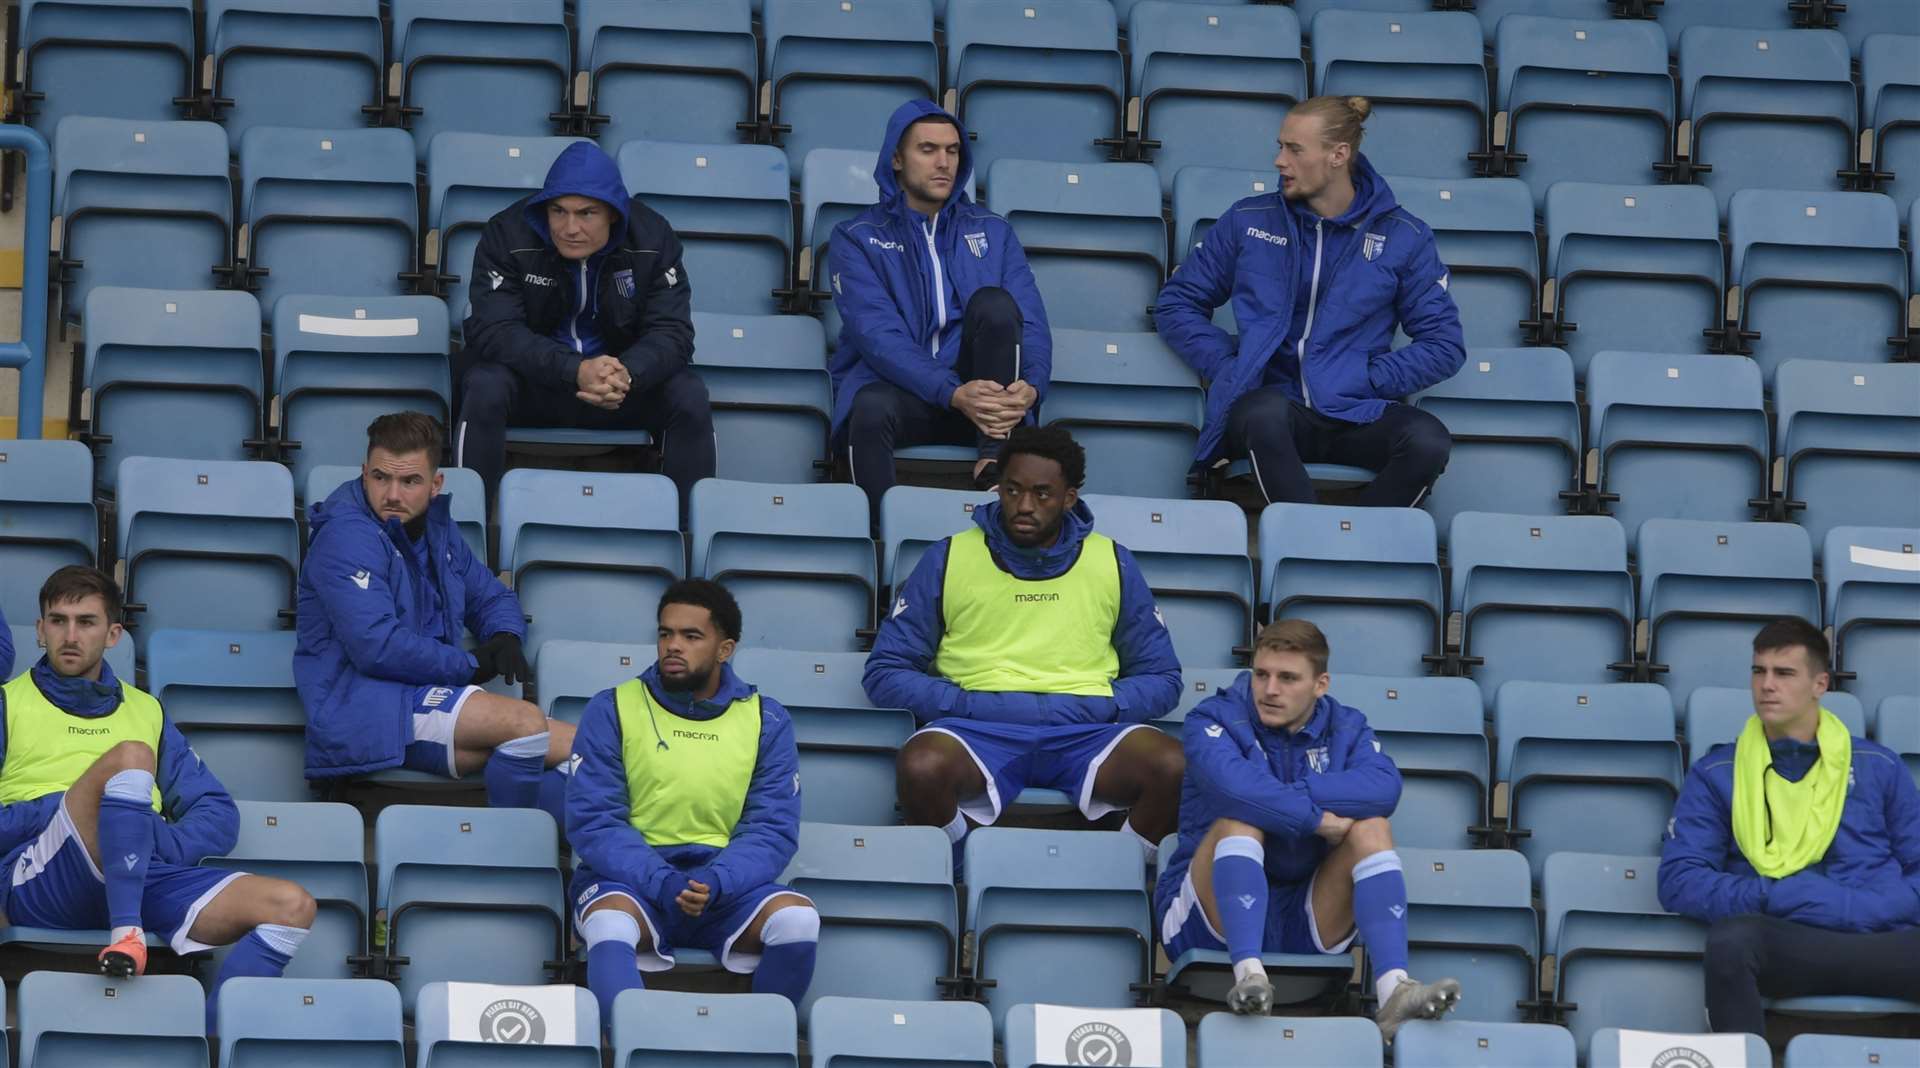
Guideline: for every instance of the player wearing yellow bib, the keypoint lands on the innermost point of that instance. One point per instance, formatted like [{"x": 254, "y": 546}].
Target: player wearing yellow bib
[
  {"x": 684, "y": 808},
  {"x": 105, "y": 812},
  {"x": 1030, "y": 650}
]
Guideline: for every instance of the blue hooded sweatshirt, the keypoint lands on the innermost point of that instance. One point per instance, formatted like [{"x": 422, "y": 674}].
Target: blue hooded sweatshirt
[
  {"x": 899, "y": 671},
  {"x": 6, "y": 650},
  {"x": 200, "y": 821},
  {"x": 583, "y": 169},
  {"x": 1359, "y": 275},
  {"x": 901, "y": 283},
  {"x": 763, "y": 840}
]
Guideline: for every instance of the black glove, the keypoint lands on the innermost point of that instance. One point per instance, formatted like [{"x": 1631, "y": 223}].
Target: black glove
[{"x": 500, "y": 656}]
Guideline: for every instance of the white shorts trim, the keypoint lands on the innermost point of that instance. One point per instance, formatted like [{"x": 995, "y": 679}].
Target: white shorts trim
[
  {"x": 1185, "y": 904},
  {"x": 742, "y": 961},
  {"x": 182, "y": 942},
  {"x": 647, "y": 960},
  {"x": 1313, "y": 925},
  {"x": 57, "y": 833},
  {"x": 1090, "y": 808},
  {"x": 984, "y": 808},
  {"x": 437, "y": 726}
]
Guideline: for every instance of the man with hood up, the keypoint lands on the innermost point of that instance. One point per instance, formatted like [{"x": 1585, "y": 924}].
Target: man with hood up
[
  {"x": 1319, "y": 275},
  {"x": 580, "y": 317},
  {"x": 943, "y": 340}
]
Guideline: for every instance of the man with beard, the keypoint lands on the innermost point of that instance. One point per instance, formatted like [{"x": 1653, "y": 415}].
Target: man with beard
[
  {"x": 1030, "y": 650},
  {"x": 684, "y": 808}
]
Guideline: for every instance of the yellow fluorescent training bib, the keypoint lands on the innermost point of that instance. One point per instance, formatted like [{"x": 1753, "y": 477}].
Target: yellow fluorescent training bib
[
  {"x": 47, "y": 749},
  {"x": 1034, "y": 636},
  {"x": 687, "y": 779}
]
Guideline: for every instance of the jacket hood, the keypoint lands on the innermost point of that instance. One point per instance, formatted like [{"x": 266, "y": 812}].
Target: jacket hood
[
  {"x": 78, "y": 695},
  {"x": 583, "y": 170},
  {"x": 1372, "y": 196},
  {"x": 350, "y": 497},
  {"x": 732, "y": 689},
  {"x": 904, "y": 116},
  {"x": 1035, "y": 563}
]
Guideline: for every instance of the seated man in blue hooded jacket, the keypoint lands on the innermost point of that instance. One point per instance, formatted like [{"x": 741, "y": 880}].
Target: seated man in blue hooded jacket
[
  {"x": 1319, "y": 274},
  {"x": 943, "y": 338}
]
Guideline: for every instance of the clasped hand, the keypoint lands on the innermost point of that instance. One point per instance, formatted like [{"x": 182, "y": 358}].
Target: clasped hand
[
  {"x": 604, "y": 382},
  {"x": 992, "y": 407}
]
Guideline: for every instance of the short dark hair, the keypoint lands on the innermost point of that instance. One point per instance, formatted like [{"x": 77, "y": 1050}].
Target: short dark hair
[
  {"x": 707, "y": 594},
  {"x": 1791, "y": 631},
  {"x": 77, "y": 582},
  {"x": 1048, "y": 443},
  {"x": 404, "y": 432},
  {"x": 1295, "y": 636}
]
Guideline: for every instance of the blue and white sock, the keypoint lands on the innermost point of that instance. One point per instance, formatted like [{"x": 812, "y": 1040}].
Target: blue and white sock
[
  {"x": 956, "y": 829},
  {"x": 125, "y": 835},
  {"x": 611, "y": 936},
  {"x": 513, "y": 772},
  {"x": 1240, "y": 896},
  {"x": 1380, "y": 912},
  {"x": 791, "y": 937},
  {"x": 553, "y": 793},
  {"x": 264, "y": 952}
]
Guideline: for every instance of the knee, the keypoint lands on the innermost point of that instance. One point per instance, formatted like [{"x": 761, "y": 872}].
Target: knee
[
  {"x": 1263, "y": 415},
  {"x": 1732, "y": 944},
  {"x": 1166, "y": 765},
  {"x": 527, "y": 719},
  {"x": 1369, "y": 836},
  {"x": 686, "y": 396},
  {"x": 1428, "y": 444},
  {"x": 288, "y": 904},
  {"x": 792, "y": 919},
  {"x": 1227, "y": 828},
  {"x": 487, "y": 392},
  {"x": 129, "y": 756},
  {"x": 993, "y": 306},
  {"x": 922, "y": 768},
  {"x": 872, "y": 416}
]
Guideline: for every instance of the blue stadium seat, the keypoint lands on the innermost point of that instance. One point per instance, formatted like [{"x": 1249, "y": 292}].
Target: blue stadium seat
[
  {"x": 1707, "y": 588},
  {"x": 66, "y": 44},
  {"x": 328, "y": 212},
  {"x": 1193, "y": 555},
  {"x": 766, "y": 377},
  {"x": 470, "y": 894},
  {"x": 1368, "y": 577},
  {"x": 798, "y": 557},
  {"x": 1023, "y": 1051},
  {"x": 666, "y": 1027},
  {"x": 468, "y": 500},
  {"x": 702, "y": 57},
  {"x": 1604, "y": 1046},
  {"x": 1472, "y": 914},
  {"x": 590, "y": 552},
  {"x": 140, "y": 203},
  {"x": 1134, "y": 405},
  {"x": 1201, "y": 194},
  {"x": 1891, "y": 88},
  {"x": 886, "y": 902},
  {"x": 1586, "y": 98},
  {"x": 1491, "y": 12},
  {"x": 470, "y": 178},
  {"x": 1769, "y": 109},
  {"x": 1229, "y": 1041},
  {"x": 1307, "y": 9},
  {"x": 47, "y": 520},
  {"x": 339, "y": 363},
  {"x": 1516, "y": 434},
  {"x": 847, "y": 1032},
  {"x": 1820, "y": 275},
  {"x": 847, "y": 746},
  {"x": 1058, "y": 915},
  {"x": 1434, "y": 730},
  {"x": 1873, "y": 605},
  {"x": 1460, "y": 1043},
  {"x": 1839, "y": 430},
  {"x": 1649, "y": 266},
  {"x": 206, "y": 543},
  {"x": 1676, "y": 16},
  {"x": 728, "y": 206},
  {"x": 1899, "y": 729},
  {"x": 1426, "y": 78},
  {"x": 1039, "y": 81},
  {"x": 1676, "y": 436},
  {"x": 232, "y": 695},
  {"x": 432, "y": 1025},
  {"x": 493, "y": 66},
  {"x": 571, "y": 673},
  {"x": 913, "y": 518},
  {"x": 1214, "y": 82},
  {"x": 1826, "y": 1051},
  {"x": 1093, "y": 236},
  {"x": 1588, "y": 768},
  {"x": 1483, "y": 230},
  {"x": 1620, "y": 959},
  {"x": 836, "y": 184},
  {"x": 1717, "y": 714},
  {"x": 323, "y": 847},
  {"x": 309, "y": 1023},
  {"x": 77, "y": 1021},
  {"x": 1866, "y": 19},
  {"x": 838, "y": 70},
  {"x": 294, "y": 63}
]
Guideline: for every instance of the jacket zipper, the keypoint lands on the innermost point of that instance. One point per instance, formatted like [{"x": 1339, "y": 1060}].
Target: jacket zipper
[
  {"x": 1313, "y": 300},
  {"x": 939, "y": 290},
  {"x": 573, "y": 322}
]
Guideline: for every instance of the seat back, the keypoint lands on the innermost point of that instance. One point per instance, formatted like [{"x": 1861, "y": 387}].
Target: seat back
[
  {"x": 1620, "y": 956},
  {"x": 232, "y": 695},
  {"x": 1461, "y": 1043},
  {"x": 1871, "y": 604},
  {"x": 268, "y": 1021},
  {"x": 68, "y": 1020},
  {"x": 471, "y": 177},
  {"x": 851, "y": 1031},
  {"x": 293, "y": 63},
  {"x": 1092, "y": 232},
  {"x": 1334, "y": 1041},
  {"x": 1506, "y": 394},
  {"x": 824, "y": 512},
  {"x": 432, "y": 1027},
  {"x": 1214, "y": 81},
  {"x": 1202, "y": 194},
  {"x": 702, "y": 56},
  {"x": 767, "y": 380},
  {"x": 887, "y": 894},
  {"x": 1770, "y": 108},
  {"x": 727, "y": 1030},
  {"x": 502, "y": 66},
  {"x": 46, "y": 518},
  {"x": 1023, "y": 1032},
  {"x": 1531, "y": 720},
  {"x": 888, "y": 50},
  {"x": 1424, "y": 72},
  {"x": 1741, "y": 575},
  {"x": 1060, "y": 69},
  {"x": 1483, "y": 231},
  {"x": 1473, "y": 909},
  {"x": 1361, "y": 575},
  {"x": 571, "y": 673},
  {"x": 1134, "y": 405},
  {"x": 729, "y": 206},
  {"x": 148, "y": 43}
]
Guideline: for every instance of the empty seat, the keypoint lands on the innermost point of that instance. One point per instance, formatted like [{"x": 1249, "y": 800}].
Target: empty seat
[
  {"x": 1820, "y": 275},
  {"x": 1483, "y": 231},
  {"x": 1229, "y": 1041},
  {"x": 66, "y": 44},
  {"x": 839, "y": 69},
  {"x": 1492, "y": 12},
  {"x": 1891, "y": 89},
  {"x": 1619, "y": 957},
  {"x": 1040, "y": 81},
  {"x": 1676, "y": 16},
  {"x": 1024, "y": 1036},
  {"x": 1772, "y": 109},
  {"x": 297, "y": 1023},
  {"x": 1676, "y": 436},
  {"x": 847, "y": 747},
  {"x": 462, "y": 488},
  {"x": 1193, "y": 555},
  {"x": 590, "y": 553},
  {"x": 1473, "y": 911},
  {"x": 493, "y": 66},
  {"x": 1134, "y": 405},
  {"x": 433, "y": 1027},
  {"x": 1214, "y": 82},
  {"x": 1717, "y": 714},
  {"x": 1647, "y": 261},
  {"x": 1826, "y": 1051},
  {"x": 1202, "y": 194},
  {"x": 232, "y": 695},
  {"x": 73, "y": 1021},
  {"x": 1588, "y": 768},
  {"x": 47, "y": 519},
  {"x": 1516, "y": 434},
  {"x": 1586, "y": 98},
  {"x": 1368, "y": 577},
  {"x": 730, "y": 1030},
  {"x": 772, "y": 400},
  {"x": 328, "y": 211},
  {"x": 886, "y": 902},
  {"x": 845, "y": 1032},
  {"x": 1899, "y": 729},
  {"x": 729, "y": 208},
  {"x": 1092, "y": 234},
  {"x": 1423, "y": 72},
  {"x": 1873, "y": 605},
  {"x": 1462, "y": 1043},
  {"x": 638, "y": 56},
  {"x": 1707, "y": 588},
  {"x": 1604, "y": 1045},
  {"x": 1434, "y": 730},
  {"x": 471, "y": 177},
  {"x": 323, "y": 847},
  {"x": 798, "y": 557},
  {"x": 339, "y": 363},
  {"x": 1844, "y": 436},
  {"x": 294, "y": 63}
]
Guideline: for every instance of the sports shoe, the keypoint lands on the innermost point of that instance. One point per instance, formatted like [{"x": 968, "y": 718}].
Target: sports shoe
[
  {"x": 125, "y": 958},
  {"x": 1413, "y": 1000},
  {"x": 1251, "y": 996}
]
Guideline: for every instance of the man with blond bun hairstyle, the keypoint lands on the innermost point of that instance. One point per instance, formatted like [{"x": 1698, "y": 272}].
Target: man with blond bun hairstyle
[{"x": 1319, "y": 273}]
